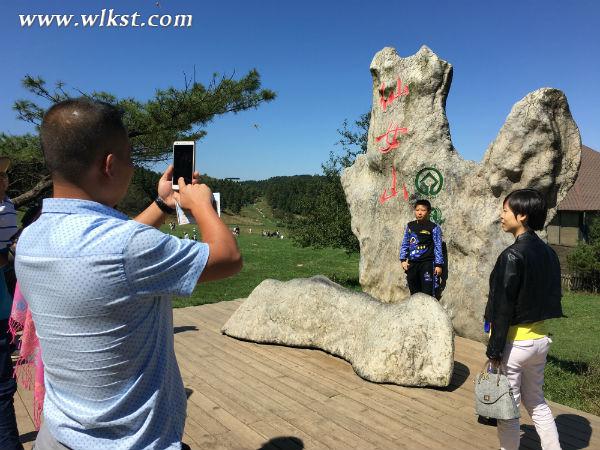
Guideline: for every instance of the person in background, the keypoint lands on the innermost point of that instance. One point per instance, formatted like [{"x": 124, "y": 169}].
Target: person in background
[
  {"x": 9, "y": 434},
  {"x": 99, "y": 287},
  {"x": 8, "y": 227},
  {"x": 525, "y": 291},
  {"x": 29, "y": 367}
]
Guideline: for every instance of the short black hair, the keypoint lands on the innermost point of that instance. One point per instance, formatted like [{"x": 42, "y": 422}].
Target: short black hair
[
  {"x": 530, "y": 203},
  {"x": 424, "y": 203},
  {"x": 77, "y": 132}
]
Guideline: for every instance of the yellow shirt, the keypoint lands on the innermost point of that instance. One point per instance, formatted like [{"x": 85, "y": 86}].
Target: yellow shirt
[{"x": 525, "y": 331}]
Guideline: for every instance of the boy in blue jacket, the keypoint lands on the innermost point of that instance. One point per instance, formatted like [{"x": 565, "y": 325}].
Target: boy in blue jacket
[{"x": 421, "y": 252}]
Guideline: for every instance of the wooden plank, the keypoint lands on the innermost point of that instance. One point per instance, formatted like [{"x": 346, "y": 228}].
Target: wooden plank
[
  {"x": 404, "y": 409},
  {"x": 415, "y": 428},
  {"x": 281, "y": 395},
  {"x": 224, "y": 441},
  {"x": 23, "y": 403},
  {"x": 230, "y": 394},
  {"x": 239, "y": 431},
  {"x": 236, "y": 393},
  {"x": 386, "y": 443},
  {"x": 222, "y": 344},
  {"x": 330, "y": 433},
  {"x": 391, "y": 433},
  {"x": 272, "y": 368},
  {"x": 23, "y": 414},
  {"x": 279, "y": 428},
  {"x": 282, "y": 356},
  {"x": 200, "y": 423}
]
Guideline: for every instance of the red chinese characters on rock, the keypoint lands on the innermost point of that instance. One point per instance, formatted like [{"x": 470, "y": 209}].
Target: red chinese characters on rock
[
  {"x": 384, "y": 197},
  {"x": 400, "y": 91},
  {"x": 391, "y": 138}
]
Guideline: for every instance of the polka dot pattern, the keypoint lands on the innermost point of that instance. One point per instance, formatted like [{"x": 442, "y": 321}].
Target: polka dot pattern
[{"x": 99, "y": 287}]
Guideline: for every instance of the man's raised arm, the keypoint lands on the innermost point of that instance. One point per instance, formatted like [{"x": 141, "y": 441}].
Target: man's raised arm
[{"x": 224, "y": 256}]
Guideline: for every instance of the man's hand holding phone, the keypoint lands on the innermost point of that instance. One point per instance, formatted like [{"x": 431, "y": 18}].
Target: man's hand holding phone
[
  {"x": 225, "y": 258},
  {"x": 165, "y": 186},
  {"x": 193, "y": 197}
]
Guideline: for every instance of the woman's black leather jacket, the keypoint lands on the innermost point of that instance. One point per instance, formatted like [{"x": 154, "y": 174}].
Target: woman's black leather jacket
[{"x": 524, "y": 288}]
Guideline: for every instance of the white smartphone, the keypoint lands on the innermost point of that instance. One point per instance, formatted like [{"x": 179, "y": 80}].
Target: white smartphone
[{"x": 184, "y": 161}]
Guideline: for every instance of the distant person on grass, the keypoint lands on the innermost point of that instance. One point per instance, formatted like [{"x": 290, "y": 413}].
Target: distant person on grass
[
  {"x": 421, "y": 253},
  {"x": 525, "y": 291},
  {"x": 100, "y": 285}
]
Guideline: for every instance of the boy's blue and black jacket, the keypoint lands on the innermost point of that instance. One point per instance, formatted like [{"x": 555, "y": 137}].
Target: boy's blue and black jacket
[{"x": 422, "y": 242}]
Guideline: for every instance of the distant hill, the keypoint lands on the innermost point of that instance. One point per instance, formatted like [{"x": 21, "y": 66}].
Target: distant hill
[
  {"x": 265, "y": 203},
  {"x": 288, "y": 195}
]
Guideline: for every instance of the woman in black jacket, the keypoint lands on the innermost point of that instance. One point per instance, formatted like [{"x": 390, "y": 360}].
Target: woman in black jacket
[{"x": 524, "y": 292}]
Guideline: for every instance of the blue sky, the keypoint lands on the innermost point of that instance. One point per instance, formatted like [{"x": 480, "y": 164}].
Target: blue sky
[{"x": 316, "y": 56}]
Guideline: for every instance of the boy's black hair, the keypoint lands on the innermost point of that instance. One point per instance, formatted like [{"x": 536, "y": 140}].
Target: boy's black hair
[
  {"x": 75, "y": 133},
  {"x": 424, "y": 203},
  {"x": 530, "y": 203}
]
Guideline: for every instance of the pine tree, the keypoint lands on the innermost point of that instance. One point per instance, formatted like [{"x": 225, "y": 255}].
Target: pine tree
[{"x": 172, "y": 114}]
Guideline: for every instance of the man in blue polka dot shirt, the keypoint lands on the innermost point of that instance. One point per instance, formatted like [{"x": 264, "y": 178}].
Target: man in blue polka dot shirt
[{"x": 100, "y": 285}]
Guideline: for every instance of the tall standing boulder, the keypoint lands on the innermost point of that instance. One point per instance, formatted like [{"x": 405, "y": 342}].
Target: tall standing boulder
[{"x": 410, "y": 155}]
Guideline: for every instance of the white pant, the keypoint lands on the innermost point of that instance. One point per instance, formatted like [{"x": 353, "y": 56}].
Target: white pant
[{"x": 524, "y": 363}]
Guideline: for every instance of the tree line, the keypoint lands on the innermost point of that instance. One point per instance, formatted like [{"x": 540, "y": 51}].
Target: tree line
[{"x": 142, "y": 192}]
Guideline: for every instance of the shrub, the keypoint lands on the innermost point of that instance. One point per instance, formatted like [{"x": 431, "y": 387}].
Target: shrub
[{"x": 584, "y": 261}]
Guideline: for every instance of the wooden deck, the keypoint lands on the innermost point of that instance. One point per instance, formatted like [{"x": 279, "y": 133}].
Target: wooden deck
[{"x": 250, "y": 396}]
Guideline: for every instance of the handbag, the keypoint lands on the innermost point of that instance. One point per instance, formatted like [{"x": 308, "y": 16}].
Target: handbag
[{"x": 493, "y": 395}]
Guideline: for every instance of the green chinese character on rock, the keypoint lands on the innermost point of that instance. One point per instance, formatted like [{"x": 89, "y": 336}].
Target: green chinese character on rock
[{"x": 436, "y": 216}]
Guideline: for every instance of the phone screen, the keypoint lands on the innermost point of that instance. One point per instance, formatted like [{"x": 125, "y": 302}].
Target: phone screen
[{"x": 183, "y": 162}]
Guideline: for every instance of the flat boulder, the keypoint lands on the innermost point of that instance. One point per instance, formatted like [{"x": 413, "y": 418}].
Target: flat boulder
[{"x": 409, "y": 343}]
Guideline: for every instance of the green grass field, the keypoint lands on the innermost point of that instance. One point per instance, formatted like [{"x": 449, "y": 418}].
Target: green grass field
[
  {"x": 573, "y": 370},
  {"x": 279, "y": 259},
  {"x": 268, "y": 258}
]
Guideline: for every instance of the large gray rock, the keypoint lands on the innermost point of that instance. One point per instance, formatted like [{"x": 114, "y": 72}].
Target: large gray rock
[
  {"x": 411, "y": 343},
  {"x": 538, "y": 146}
]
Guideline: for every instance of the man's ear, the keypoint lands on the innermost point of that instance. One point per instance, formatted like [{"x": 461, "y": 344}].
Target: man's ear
[{"x": 108, "y": 165}]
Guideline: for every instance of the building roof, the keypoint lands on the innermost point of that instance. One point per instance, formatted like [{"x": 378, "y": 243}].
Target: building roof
[{"x": 584, "y": 195}]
